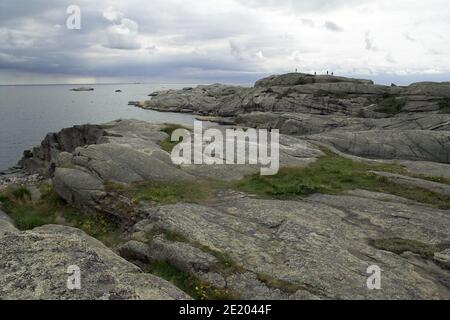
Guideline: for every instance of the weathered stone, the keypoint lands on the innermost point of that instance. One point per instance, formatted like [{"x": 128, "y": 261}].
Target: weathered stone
[
  {"x": 436, "y": 187},
  {"x": 301, "y": 93},
  {"x": 417, "y": 145},
  {"x": 4, "y": 217},
  {"x": 318, "y": 248},
  {"x": 130, "y": 152},
  {"x": 33, "y": 265},
  {"x": 443, "y": 257},
  {"x": 40, "y": 158}
]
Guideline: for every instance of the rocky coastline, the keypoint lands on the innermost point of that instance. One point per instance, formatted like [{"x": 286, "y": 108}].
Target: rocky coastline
[{"x": 365, "y": 181}]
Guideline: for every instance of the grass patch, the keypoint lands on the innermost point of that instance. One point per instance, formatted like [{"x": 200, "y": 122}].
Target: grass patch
[
  {"x": 225, "y": 265},
  {"x": 399, "y": 246},
  {"x": 51, "y": 209},
  {"x": 282, "y": 285},
  {"x": 168, "y": 144},
  {"x": 333, "y": 174},
  {"x": 391, "y": 105},
  {"x": 433, "y": 179},
  {"x": 189, "y": 283},
  {"x": 444, "y": 106},
  {"x": 21, "y": 193},
  {"x": 168, "y": 192}
]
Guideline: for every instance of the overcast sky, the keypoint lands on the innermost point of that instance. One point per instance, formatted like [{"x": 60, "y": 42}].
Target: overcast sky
[{"x": 232, "y": 41}]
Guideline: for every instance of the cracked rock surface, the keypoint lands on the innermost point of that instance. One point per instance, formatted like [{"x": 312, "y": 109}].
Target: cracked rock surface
[
  {"x": 318, "y": 247},
  {"x": 314, "y": 249},
  {"x": 33, "y": 265},
  {"x": 353, "y": 115}
]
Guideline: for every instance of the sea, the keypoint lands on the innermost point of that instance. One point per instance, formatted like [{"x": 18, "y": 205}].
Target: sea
[{"x": 28, "y": 113}]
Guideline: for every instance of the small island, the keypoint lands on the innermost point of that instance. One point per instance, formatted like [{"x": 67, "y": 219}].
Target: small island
[{"x": 80, "y": 89}]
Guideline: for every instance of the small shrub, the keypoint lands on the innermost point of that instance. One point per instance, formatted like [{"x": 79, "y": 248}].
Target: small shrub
[
  {"x": 391, "y": 105},
  {"x": 189, "y": 283},
  {"x": 51, "y": 209},
  {"x": 444, "y": 106},
  {"x": 21, "y": 193},
  {"x": 168, "y": 144}
]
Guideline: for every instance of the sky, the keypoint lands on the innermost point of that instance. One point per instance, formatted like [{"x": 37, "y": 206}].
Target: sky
[{"x": 229, "y": 41}]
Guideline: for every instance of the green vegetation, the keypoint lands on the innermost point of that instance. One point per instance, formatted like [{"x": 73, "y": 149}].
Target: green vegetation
[
  {"x": 399, "y": 246},
  {"x": 444, "y": 106},
  {"x": 51, "y": 209},
  {"x": 168, "y": 192},
  {"x": 189, "y": 283},
  {"x": 185, "y": 280},
  {"x": 391, "y": 105},
  {"x": 333, "y": 174},
  {"x": 21, "y": 193},
  {"x": 168, "y": 144},
  {"x": 282, "y": 285},
  {"x": 443, "y": 180},
  {"x": 225, "y": 264}
]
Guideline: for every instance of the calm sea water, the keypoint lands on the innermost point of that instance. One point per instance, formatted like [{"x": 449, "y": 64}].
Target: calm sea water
[{"x": 28, "y": 113}]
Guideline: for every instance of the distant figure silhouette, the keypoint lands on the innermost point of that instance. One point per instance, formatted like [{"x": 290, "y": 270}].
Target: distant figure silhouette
[
  {"x": 315, "y": 73},
  {"x": 296, "y": 70},
  {"x": 332, "y": 73},
  {"x": 328, "y": 72}
]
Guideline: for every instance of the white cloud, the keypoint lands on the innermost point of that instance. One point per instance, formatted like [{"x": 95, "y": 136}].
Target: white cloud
[
  {"x": 370, "y": 42},
  {"x": 123, "y": 34},
  {"x": 234, "y": 39}
]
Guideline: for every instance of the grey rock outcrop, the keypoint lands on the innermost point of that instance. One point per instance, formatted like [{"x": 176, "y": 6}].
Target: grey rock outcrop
[
  {"x": 67, "y": 140},
  {"x": 337, "y": 108},
  {"x": 33, "y": 266},
  {"x": 418, "y": 145},
  {"x": 313, "y": 248},
  {"x": 4, "y": 217},
  {"x": 301, "y": 93},
  {"x": 293, "y": 79},
  {"x": 319, "y": 248},
  {"x": 129, "y": 151}
]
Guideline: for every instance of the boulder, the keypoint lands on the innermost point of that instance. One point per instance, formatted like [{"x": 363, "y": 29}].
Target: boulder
[
  {"x": 67, "y": 140},
  {"x": 34, "y": 265}
]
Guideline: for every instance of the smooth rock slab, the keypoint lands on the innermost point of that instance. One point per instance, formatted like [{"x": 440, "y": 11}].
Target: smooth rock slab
[
  {"x": 416, "y": 145},
  {"x": 33, "y": 265},
  {"x": 318, "y": 248}
]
